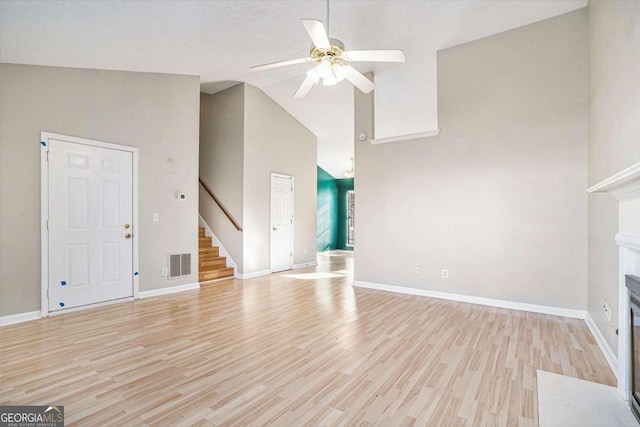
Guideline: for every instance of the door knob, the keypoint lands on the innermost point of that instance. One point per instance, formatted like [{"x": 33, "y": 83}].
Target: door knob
[
  {"x": 275, "y": 228},
  {"x": 127, "y": 236},
  {"x": 127, "y": 226}
]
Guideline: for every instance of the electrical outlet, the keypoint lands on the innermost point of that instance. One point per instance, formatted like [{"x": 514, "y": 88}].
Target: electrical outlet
[
  {"x": 607, "y": 310},
  {"x": 445, "y": 274},
  {"x": 155, "y": 217},
  {"x": 164, "y": 272},
  {"x": 418, "y": 271},
  {"x": 305, "y": 251}
]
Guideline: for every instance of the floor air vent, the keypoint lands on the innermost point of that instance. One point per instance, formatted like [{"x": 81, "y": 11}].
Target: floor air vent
[{"x": 179, "y": 265}]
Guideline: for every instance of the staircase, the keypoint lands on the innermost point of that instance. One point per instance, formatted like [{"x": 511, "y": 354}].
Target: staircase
[{"x": 211, "y": 265}]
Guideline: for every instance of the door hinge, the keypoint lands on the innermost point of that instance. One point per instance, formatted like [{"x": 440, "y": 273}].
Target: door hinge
[
  {"x": 47, "y": 156},
  {"x": 290, "y": 254},
  {"x": 47, "y": 224}
]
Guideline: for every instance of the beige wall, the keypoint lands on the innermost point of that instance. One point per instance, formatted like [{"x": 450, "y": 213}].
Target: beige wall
[
  {"x": 158, "y": 113},
  {"x": 276, "y": 142},
  {"x": 614, "y": 139},
  {"x": 614, "y": 87},
  {"x": 499, "y": 197},
  {"x": 221, "y": 165}
]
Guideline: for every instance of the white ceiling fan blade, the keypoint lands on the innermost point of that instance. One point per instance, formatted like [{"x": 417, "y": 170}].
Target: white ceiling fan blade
[
  {"x": 317, "y": 33},
  {"x": 358, "y": 80},
  {"x": 304, "y": 88},
  {"x": 279, "y": 64},
  {"x": 375, "y": 55}
]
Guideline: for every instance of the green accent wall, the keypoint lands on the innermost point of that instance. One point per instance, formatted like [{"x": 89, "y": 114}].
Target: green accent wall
[
  {"x": 332, "y": 211},
  {"x": 343, "y": 185},
  {"x": 327, "y": 231}
]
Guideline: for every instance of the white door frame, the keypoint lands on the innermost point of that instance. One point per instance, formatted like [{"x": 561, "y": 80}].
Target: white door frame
[
  {"x": 44, "y": 214},
  {"x": 293, "y": 220}
]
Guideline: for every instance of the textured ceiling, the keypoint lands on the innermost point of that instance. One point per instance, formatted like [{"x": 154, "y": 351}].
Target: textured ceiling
[{"x": 218, "y": 40}]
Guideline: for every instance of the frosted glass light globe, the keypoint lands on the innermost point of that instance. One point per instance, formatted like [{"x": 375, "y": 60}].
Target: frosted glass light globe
[
  {"x": 340, "y": 71},
  {"x": 325, "y": 68},
  {"x": 330, "y": 81}
]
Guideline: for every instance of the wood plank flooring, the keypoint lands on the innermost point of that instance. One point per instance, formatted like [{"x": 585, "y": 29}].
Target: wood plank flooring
[{"x": 293, "y": 351}]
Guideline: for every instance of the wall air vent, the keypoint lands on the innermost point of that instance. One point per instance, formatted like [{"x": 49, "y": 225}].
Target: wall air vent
[{"x": 179, "y": 265}]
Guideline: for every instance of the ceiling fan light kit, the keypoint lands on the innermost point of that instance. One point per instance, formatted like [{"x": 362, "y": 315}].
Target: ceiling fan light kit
[{"x": 332, "y": 60}]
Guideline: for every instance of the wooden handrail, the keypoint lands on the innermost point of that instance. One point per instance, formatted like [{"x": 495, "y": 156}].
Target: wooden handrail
[{"x": 227, "y": 214}]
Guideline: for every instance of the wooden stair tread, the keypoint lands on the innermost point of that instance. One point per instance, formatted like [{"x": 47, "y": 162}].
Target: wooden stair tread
[
  {"x": 211, "y": 269},
  {"x": 211, "y": 257},
  {"x": 209, "y": 249},
  {"x": 213, "y": 265},
  {"x": 222, "y": 261},
  {"x": 205, "y": 241},
  {"x": 215, "y": 274}
]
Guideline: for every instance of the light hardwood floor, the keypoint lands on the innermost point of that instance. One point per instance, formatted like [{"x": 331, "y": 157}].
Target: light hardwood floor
[{"x": 291, "y": 351}]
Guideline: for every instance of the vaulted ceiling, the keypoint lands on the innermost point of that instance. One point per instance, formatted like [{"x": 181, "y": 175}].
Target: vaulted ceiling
[{"x": 218, "y": 40}]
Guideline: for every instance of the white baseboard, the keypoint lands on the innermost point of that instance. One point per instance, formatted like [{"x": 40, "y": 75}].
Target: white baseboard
[
  {"x": 168, "y": 290},
  {"x": 34, "y": 315},
  {"x": 512, "y": 305},
  {"x": 19, "y": 318},
  {"x": 89, "y": 306},
  {"x": 611, "y": 358},
  {"x": 305, "y": 265},
  {"x": 252, "y": 275}
]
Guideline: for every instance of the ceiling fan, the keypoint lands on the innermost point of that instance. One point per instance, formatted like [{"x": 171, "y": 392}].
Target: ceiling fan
[{"x": 332, "y": 60}]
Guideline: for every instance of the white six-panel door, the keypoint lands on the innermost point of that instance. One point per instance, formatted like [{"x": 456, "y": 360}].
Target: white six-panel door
[
  {"x": 281, "y": 222},
  {"x": 90, "y": 224}
]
